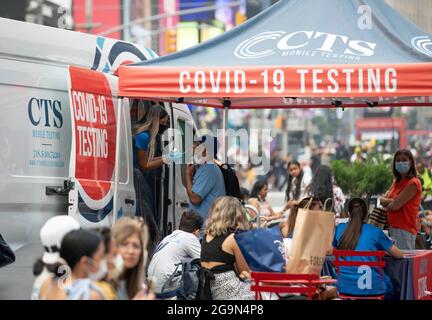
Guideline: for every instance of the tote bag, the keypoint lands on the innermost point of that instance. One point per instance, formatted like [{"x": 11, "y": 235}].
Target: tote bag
[
  {"x": 312, "y": 239},
  {"x": 262, "y": 249}
]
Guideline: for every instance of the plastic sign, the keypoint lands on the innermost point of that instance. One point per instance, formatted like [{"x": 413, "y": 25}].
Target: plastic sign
[{"x": 93, "y": 132}]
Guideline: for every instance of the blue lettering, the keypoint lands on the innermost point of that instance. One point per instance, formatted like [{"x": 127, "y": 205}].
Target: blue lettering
[
  {"x": 47, "y": 105},
  {"x": 51, "y": 108},
  {"x": 30, "y": 111},
  {"x": 57, "y": 114}
]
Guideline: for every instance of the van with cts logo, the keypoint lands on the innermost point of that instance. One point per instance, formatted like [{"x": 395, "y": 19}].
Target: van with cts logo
[
  {"x": 304, "y": 42},
  {"x": 58, "y": 133}
]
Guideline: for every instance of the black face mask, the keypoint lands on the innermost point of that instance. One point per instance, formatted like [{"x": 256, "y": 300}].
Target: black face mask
[{"x": 162, "y": 128}]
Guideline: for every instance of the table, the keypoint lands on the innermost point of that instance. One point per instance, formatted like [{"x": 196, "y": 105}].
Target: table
[{"x": 411, "y": 276}]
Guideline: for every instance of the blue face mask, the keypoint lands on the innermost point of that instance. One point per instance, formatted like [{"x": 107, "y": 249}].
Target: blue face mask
[{"x": 403, "y": 167}]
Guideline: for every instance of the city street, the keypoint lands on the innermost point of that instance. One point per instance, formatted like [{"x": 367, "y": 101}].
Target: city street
[{"x": 216, "y": 149}]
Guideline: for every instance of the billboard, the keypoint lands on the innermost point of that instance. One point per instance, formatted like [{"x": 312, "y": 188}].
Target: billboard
[
  {"x": 198, "y": 16},
  {"x": 105, "y": 14}
]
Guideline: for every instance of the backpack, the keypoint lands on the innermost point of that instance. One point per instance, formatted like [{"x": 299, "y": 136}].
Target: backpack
[
  {"x": 189, "y": 279},
  {"x": 7, "y": 255},
  {"x": 232, "y": 185}
]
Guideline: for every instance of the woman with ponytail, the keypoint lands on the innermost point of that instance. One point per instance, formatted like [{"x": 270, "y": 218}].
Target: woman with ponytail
[{"x": 357, "y": 235}]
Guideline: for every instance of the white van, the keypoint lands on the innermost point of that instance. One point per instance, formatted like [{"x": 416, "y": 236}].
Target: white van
[{"x": 38, "y": 153}]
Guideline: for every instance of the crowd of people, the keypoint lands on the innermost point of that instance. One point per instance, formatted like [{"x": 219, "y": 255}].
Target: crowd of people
[
  {"x": 131, "y": 261},
  {"x": 118, "y": 263}
]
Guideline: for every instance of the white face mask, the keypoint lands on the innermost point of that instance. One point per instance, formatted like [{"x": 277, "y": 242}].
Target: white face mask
[
  {"x": 101, "y": 273},
  {"x": 115, "y": 273}
]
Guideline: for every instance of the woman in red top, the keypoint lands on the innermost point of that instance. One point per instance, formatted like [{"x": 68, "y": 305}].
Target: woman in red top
[{"x": 402, "y": 201}]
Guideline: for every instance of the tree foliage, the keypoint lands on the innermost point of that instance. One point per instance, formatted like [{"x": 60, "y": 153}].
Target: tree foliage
[{"x": 363, "y": 179}]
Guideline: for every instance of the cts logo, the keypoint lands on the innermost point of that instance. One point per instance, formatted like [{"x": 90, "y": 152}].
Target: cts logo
[
  {"x": 109, "y": 55},
  {"x": 423, "y": 44},
  {"x": 45, "y": 112},
  {"x": 244, "y": 49},
  {"x": 305, "y": 40}
]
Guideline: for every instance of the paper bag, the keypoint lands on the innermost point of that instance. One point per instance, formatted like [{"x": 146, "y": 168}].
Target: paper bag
[{"x": 312, "y": 239}]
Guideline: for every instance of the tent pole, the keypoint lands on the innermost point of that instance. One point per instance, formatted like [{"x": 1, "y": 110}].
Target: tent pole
[
  {"x": 117, "y": 159},
  {"x": 225, "y": 126}
]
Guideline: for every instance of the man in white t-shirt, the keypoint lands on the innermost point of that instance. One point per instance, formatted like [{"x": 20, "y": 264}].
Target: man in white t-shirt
[{"x": 179, "y": 245}]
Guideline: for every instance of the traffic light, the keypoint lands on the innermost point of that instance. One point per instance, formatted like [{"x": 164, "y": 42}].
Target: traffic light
[{"x": 170, "y": 41}]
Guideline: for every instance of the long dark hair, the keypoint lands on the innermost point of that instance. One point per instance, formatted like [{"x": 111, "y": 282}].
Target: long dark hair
[
  {"x": 293, "y": 214},
  {"x": 257, "y": 187},
  {"x": 77, "y": 244},
  {"x": 298, "y": 182},
  {"x": 321, "y": 185},
  {"x": 412, "y": 172},
  {"x": 351, "y": 236}
]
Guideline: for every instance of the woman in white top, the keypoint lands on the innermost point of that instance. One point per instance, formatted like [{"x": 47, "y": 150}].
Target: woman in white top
[
  {"x": 83, "y": 262},
  {"x": 258, "y": 200},
  {"x": 297, "y": 183}
]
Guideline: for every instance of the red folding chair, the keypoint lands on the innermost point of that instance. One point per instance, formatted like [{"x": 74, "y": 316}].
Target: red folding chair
[
  {"x": 284, "y": 283},
  {"x": 338, "y": 262}
]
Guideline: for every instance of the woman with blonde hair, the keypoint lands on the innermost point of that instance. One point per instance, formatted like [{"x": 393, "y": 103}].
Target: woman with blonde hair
[
  {"x": 148, "y": 162},
  {"x": 131, "y": 236},
  {"x": 224, "y": 267}
]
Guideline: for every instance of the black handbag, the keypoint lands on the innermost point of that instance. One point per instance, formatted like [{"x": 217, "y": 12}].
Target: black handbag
[{"x": 7, "y": 256}]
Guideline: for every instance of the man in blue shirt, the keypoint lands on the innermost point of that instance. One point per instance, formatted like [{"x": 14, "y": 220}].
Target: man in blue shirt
[{"x": 204, "y": 180}]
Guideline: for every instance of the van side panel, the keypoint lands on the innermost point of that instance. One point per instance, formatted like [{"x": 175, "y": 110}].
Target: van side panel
[{"x": 34, "y": 143}]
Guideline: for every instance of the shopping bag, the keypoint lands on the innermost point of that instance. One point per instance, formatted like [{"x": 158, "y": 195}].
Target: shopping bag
[
  {"x": 262, "y": 249},
  {"x": 378, "y": 217},
  {"x": 312, "y": 238}
]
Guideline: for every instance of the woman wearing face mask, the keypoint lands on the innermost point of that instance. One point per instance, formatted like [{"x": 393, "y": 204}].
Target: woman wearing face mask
[
  {"x": 82, "y": 253},
  {"x": 402, "y": 200},
  {"x": 130, "y": 236},
  {"x": 107, "y": 284},
  {"x": 148, "y": 162}
]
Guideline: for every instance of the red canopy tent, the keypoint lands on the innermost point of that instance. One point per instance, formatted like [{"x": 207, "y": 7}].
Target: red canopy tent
[{"x": 298, "y": 53}]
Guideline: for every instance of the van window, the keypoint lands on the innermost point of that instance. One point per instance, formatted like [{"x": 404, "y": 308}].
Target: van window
[
  {"x": 138, "y": 109},
  {"x": 182, "y": 125}
]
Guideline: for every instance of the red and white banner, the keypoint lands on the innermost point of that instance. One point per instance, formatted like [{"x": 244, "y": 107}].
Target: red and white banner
[
  {"x": 93, "y": 134},
  {"x": 422, "y": 274},
  {"x": 355, "y": 81}
]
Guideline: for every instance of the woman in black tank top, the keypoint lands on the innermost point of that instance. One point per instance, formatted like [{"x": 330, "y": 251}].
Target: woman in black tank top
[{"x": 222, "y": 261}]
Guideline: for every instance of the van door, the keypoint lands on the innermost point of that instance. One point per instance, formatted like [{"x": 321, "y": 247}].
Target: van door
[
  {"x": 93, "y": 105},
  {"x": 183, "y": 122}
]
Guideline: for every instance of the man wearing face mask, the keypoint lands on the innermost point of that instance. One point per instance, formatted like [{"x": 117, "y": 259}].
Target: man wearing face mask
[
  {"x": 402, "y": 200},
  {"x": 204, "y": 179}
]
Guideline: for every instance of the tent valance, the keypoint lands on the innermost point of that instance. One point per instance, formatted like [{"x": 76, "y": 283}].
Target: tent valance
[{"x": 298, "y": 53}]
